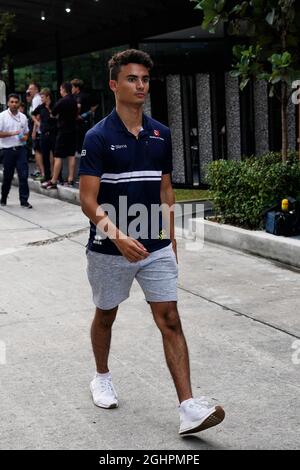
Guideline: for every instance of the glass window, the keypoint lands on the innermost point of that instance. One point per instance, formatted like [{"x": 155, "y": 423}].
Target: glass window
[{"x": 44, "y": 74}]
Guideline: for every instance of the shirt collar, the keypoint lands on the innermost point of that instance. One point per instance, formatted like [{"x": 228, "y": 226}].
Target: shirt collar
[
  {"x": 17, "y": 116},
  {"x": 120, "y": 126}
]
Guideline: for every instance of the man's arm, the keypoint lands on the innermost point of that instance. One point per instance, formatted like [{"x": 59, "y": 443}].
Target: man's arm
[
  {"x": 89, "y": 188},
  {"x": 167, "y": 197},
  {"x": 36, "y": 124},
  {"x": 36, "y": 119},
  {"x": 8, "y": 134},
  {"x": 4, "y": 134}
]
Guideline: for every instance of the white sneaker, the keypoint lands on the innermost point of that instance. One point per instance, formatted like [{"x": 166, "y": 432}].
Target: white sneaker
[
  {"x": 103, "y": 392},
  {"x": 197, "y": 414}
]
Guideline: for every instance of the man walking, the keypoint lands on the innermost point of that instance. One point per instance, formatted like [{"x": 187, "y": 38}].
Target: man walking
[
  {"x": 13, "y": 136},
  {"x": 129, "y": 155}
]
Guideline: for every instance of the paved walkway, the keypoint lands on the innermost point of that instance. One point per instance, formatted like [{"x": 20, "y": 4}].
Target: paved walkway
[{"x": 240, "y": 315}]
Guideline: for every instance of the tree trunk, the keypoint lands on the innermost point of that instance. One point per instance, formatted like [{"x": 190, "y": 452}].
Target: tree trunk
[{"x": 284, "y": 127}]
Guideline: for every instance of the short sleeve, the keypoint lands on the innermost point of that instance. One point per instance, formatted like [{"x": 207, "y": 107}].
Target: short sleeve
[
  {"x": 26, "y": 130},
  {"x": 37, "y": 111},
  {"x": 168, "y": 158},
  {"x": 91, "y": 161},
  {"x": 1, "y": 123}
]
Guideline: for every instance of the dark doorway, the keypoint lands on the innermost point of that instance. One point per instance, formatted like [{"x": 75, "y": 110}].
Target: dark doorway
[
  {"x": 159, "y": 103},
  {"x": 190, "y": 129}
]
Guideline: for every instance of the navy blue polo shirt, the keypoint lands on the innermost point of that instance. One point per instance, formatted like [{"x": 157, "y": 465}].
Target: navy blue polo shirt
[{"x": 131, "y": 167}]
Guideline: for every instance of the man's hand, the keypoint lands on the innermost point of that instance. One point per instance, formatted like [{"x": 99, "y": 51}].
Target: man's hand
[{"x": 131, "y": 249}]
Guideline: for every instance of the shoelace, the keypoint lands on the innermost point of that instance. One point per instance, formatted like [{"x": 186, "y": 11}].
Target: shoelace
[
  {"x": 202, "y": 402},
  {"x": 106, "y": 386}
]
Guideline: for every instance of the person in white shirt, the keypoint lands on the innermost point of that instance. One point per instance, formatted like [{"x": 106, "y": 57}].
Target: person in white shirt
[
  {"x": 2, "y": 95},
  {"x": 14, "y": 133},
  {"x": 34, "y": 90}
]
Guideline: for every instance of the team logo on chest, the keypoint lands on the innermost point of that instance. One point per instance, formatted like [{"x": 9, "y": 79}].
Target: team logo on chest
[
  {"x": 156, "y": 133},
  {"x": 118, "y": 147}
]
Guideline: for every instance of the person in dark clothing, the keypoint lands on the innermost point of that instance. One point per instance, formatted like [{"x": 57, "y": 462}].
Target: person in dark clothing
[
  {"x": 65, "y": 146},
  {"x": 83, "y": 103},
  {"x": 48, "y": 129},
  {"x": 81, "y": 98},
  {"x": 129, "y": 155}
]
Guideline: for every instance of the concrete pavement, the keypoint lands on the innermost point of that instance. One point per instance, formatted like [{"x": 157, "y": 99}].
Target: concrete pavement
[{"x": 240, "y": 315}]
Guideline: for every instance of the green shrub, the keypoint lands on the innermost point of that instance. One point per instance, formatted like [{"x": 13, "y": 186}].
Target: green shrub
[{"x": 242, "y": 190}]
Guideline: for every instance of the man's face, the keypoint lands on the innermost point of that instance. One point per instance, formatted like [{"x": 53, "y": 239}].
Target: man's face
[
  {"x": 132, "y": 85},
  {"x": 62, "y": 91},
  {"x": 13, "y": 104},
  {"x": 32, "y": 90}
]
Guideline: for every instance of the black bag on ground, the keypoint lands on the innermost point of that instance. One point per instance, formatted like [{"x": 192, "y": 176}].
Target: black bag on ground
[{"x": 284, "y": 223}]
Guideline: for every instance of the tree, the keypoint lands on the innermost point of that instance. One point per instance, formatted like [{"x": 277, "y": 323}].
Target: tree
[
  {"x": 271, "y": 44},
  {"x": 7, "y": 26}
]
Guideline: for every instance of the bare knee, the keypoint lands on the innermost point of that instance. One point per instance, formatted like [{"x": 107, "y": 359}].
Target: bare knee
[
  {"x": 167, "y": 319},
  {"x": 105, "y": 318}
]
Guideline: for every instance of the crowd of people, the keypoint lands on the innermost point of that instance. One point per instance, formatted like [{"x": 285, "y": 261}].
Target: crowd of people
[{"x": 48, "y": 132}]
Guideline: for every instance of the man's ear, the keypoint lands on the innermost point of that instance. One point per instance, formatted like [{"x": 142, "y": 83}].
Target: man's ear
[{"x": 113, "y": 85}]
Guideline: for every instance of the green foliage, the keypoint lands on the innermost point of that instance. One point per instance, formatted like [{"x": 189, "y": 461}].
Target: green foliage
[
  {"x": 271, "y": 44},
  {"x": 247, "y": 63},
  {"x": 6, "y": 25},
  {"x": 190, "y": 194},
  {"x": 241, "y": 191},
  {"x": 272, "y": 28}
]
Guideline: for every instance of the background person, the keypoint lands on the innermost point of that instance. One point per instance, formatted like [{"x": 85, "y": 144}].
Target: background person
[
  {"x": 34, "y": 91},
  {"x": 48, "y": 129},
  {"x": 65, "y": 145},
  {"x": 13, "y": 136},
  {"x": 83, "y": 103}
]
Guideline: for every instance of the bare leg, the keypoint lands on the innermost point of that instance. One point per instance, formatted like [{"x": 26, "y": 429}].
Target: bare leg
[
  {"x": 39, "y": 162},
  {"x": 56, "y": 170},
  {"x": 167, "y": 319},
  {"x": 101, "y": 337},
  {"x": 51, "y": 163},
  {"x": 71, "y": 168}
]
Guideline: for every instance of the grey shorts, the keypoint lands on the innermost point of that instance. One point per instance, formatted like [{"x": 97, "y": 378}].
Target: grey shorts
[{"x": 111, "y": 277}]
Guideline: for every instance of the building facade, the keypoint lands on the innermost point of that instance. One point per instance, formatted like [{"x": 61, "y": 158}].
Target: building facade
[{"x": 192, "y": 92}]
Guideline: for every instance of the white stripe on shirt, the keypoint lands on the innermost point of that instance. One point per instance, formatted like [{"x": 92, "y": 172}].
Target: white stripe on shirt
[
  {"x": 128, "y": 180},
  {"x": 132, "y": 174}
]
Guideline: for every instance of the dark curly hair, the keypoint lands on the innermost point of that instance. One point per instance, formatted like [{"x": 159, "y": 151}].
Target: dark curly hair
[{"x": 130, "y": 56}]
